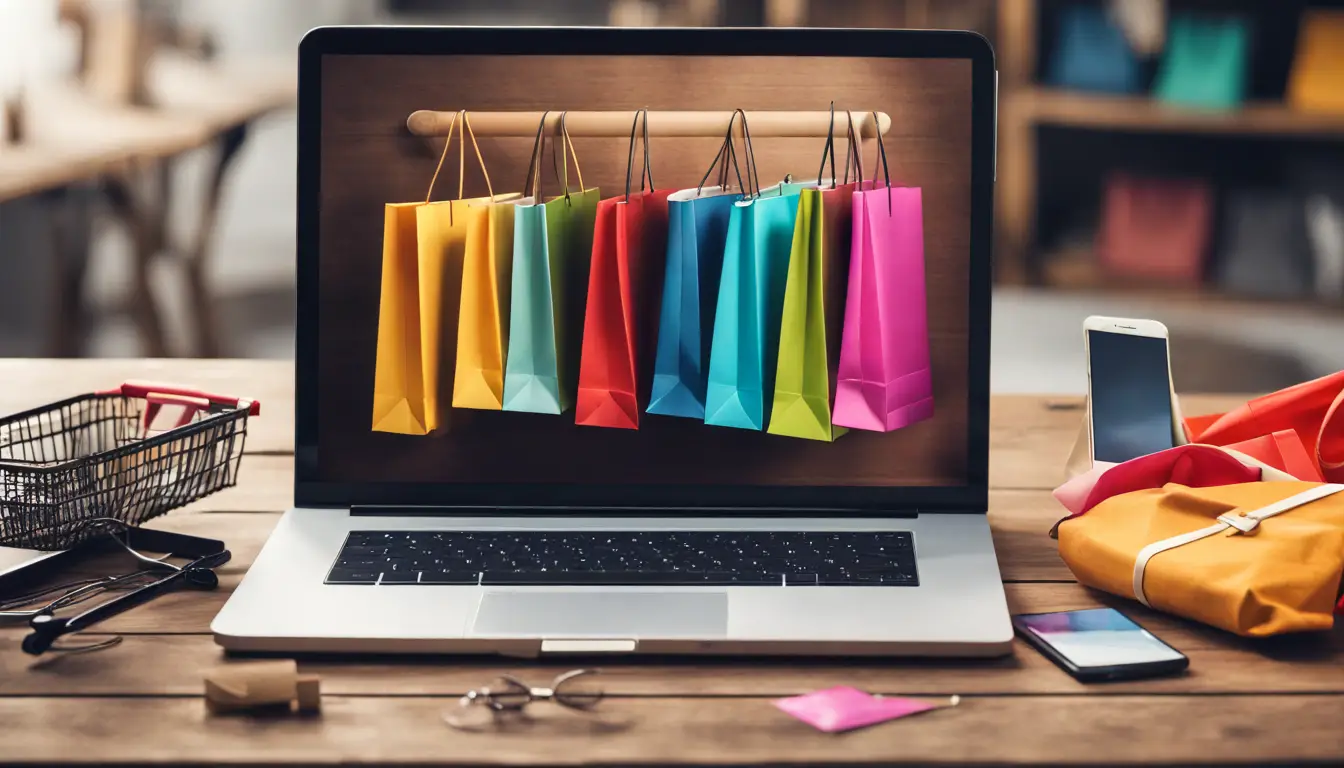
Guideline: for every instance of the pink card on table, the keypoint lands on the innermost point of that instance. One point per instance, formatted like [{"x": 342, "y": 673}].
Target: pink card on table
[{"x": 844, "y": 708}]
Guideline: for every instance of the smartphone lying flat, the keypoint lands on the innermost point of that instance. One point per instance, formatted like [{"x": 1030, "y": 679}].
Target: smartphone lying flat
[{"x": 1099, "y": 644}]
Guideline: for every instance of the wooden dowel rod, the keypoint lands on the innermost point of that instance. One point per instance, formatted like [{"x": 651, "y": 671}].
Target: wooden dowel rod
[{"x": 761, "y": 124}]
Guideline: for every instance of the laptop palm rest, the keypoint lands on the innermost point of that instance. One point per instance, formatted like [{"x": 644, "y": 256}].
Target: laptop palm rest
[{"x": 597, "y": 614}]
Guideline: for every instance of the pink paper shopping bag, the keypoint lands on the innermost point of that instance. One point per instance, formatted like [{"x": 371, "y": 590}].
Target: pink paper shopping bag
[{"x": 884, "y": 381}]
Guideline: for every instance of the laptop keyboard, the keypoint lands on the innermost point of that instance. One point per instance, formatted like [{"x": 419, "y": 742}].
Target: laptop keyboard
[{"x": 627, "y": 558}]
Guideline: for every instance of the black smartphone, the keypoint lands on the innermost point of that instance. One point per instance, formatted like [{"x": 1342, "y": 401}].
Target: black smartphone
[{"x": 1099, "y": 644}]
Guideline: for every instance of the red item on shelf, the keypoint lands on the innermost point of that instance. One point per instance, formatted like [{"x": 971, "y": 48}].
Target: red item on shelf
[{"x": 1155, "y": 229}]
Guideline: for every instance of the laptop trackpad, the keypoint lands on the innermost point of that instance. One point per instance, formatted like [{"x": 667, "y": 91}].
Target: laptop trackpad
[{"x": 622, "y": 614}]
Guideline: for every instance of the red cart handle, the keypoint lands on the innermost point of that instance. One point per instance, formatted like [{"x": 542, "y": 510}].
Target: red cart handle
[{"x": 145, "y": 388}]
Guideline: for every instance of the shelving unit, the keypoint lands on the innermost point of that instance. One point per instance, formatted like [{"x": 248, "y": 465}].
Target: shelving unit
[{"x": 1024, "y": 106}]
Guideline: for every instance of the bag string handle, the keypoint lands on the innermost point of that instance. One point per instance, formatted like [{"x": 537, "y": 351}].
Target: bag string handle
[
  {"x": 462, "y": 156},
  {"x": 566, "y": 151},
  {"x": 886, "y": 169},
  {"x": 855, "y": 149},
  {"x": 753, "y": 175},
  {"x": 533, "y": 181},
  {"x": 1334, "y": 417},
  {"x": 829, "y": 151},
  {"x": 448, "y": 143},
  {"x": 647, "y": 171},
  {"x": 726, "y": 151}
]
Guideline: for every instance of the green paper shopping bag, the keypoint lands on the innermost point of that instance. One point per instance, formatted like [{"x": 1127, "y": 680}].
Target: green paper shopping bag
[
  {"x": 814, "y": 305},
  {"x": 552, "y": 247}
]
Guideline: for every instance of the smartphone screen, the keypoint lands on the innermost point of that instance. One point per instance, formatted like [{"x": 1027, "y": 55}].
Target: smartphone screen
[
  {"x": 1100, "y": 637},
  {"x": 1131, "y": 395}
]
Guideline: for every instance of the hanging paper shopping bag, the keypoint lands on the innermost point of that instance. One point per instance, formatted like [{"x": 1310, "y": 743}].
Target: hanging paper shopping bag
[
  {"x": 552, "y": 246},
  {"x": 814, "y": 300},
  {"x": 629, "y": 240},
  {"x": 483, "y": 316},
  {"x": 744, "y": 348},
  {"x": 483, "y": 324},
  {"x": 885, "y": 381},
  {"x": 697, "y": 230},
  {"x": 1317, "y": 81},
  {"x": 423, "y": 246}
]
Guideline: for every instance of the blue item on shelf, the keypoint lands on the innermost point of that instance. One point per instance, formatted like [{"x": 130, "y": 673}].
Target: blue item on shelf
[
  {"x": 1093, "y": 54},
  {"x": 1206, "y": 62}
]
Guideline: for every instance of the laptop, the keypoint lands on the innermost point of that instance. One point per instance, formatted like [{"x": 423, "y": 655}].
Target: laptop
[{"x": 526, "y": 530}]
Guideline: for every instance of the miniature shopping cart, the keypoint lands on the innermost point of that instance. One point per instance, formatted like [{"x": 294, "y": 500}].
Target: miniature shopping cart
[{"x": 102, "y": 463}]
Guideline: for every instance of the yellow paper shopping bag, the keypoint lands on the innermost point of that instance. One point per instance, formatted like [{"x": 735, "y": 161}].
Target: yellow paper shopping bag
[
  {"x": 483, "y": 320},
  {"x": 423, "y": 248}
]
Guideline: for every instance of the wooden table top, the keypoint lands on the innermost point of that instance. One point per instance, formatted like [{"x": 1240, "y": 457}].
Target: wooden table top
[
  {"x": 72, "y": 137},
  {"x": 1242, "y": 701}
]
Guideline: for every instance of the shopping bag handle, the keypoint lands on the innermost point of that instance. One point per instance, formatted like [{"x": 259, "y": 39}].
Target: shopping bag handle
[
  {"x": 1334, "y": 418},
  {"x": 647, "y": 171},
  {"x": 726, "y": 152},
  {"x": 143, "y": 389}
]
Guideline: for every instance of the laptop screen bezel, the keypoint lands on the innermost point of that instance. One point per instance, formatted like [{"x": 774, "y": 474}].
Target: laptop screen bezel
[{"x": 311, "y": 490}]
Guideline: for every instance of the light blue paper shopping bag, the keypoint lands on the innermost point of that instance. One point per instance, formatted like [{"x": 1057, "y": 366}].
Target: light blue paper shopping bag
[
  {"x": 697, "y": 229},
  {"x": 745, "y": 344}
]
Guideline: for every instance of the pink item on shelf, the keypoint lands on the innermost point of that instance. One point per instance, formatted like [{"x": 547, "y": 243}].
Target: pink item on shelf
[
  {"x": 884, "y": 380},
  {"x": 843, "y": 708}
]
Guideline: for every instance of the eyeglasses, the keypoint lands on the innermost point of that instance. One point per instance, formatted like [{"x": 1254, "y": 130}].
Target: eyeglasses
[{"x": 507, "y": 695}]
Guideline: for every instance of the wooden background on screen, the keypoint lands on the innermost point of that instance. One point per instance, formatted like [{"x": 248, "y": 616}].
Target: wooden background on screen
[{"x": 369, "y": 159}]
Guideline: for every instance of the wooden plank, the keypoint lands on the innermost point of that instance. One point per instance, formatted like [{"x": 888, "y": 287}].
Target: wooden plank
[
  {"x": 1001, "y": 730},
  {"x": 31, "y": 383},
  {"x": 159, "y": 664},
  {"x": 1147, "y": 115}
]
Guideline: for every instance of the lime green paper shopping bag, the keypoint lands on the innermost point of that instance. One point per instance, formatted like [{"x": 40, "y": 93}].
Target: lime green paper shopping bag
[
  {"x": 552, "y": 249},
  {"x": 814, "y": 305}
]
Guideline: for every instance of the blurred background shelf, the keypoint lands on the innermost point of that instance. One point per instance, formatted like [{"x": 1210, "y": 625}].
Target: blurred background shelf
[{"x": 1050, "y": 106}]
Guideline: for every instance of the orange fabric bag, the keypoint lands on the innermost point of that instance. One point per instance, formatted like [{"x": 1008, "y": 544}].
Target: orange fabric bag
[
  {"x": 1256, "y": 559},
  {"x": 1312, "y": 411}
]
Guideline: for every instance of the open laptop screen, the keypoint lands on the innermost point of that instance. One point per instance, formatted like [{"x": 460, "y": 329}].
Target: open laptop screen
[{"x": 762, "y": 335}]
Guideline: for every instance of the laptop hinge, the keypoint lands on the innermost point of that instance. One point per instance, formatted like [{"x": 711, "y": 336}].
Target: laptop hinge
[{"x": 537, "y": 511}]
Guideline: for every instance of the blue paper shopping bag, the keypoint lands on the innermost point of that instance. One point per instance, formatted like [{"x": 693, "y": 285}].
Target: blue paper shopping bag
[
  {"x": 745, "y": 346},
  {"x": 697, "y": 230},
  {"x": 552, "y": 245}
]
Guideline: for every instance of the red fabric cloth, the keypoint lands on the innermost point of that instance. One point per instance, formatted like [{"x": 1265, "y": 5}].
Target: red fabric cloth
[
  {"x": 1194, "y": 466},
  {"x": 1312, "y": 410}
]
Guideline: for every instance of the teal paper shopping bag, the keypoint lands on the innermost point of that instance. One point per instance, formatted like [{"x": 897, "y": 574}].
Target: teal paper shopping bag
[
  {"x": 552, "y": 245},
  {"x": 745, "y": 346},
  {"x": 1206, "y": 62}
]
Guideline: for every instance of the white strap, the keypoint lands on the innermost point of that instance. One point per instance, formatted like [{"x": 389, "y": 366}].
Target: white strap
[{"x": 1234, "y": 524}]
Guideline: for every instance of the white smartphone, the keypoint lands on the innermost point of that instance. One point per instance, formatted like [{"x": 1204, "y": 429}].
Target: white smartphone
[{"x": 1129, "y": 388}]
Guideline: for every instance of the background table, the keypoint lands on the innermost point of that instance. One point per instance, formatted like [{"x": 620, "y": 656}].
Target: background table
[{"x": 1243, "y": 701}]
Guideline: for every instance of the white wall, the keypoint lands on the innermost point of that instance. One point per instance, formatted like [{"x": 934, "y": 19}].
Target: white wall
[{"x": 271, "y": 26}]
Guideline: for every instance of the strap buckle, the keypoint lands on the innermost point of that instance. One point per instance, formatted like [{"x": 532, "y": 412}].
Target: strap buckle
[{"x": 1241, "y": 523}]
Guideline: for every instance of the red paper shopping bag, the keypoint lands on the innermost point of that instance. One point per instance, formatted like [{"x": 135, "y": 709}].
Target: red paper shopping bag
[
  {"x": 629, "y": 239},
  {"x": 1313, "y": 412}
]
